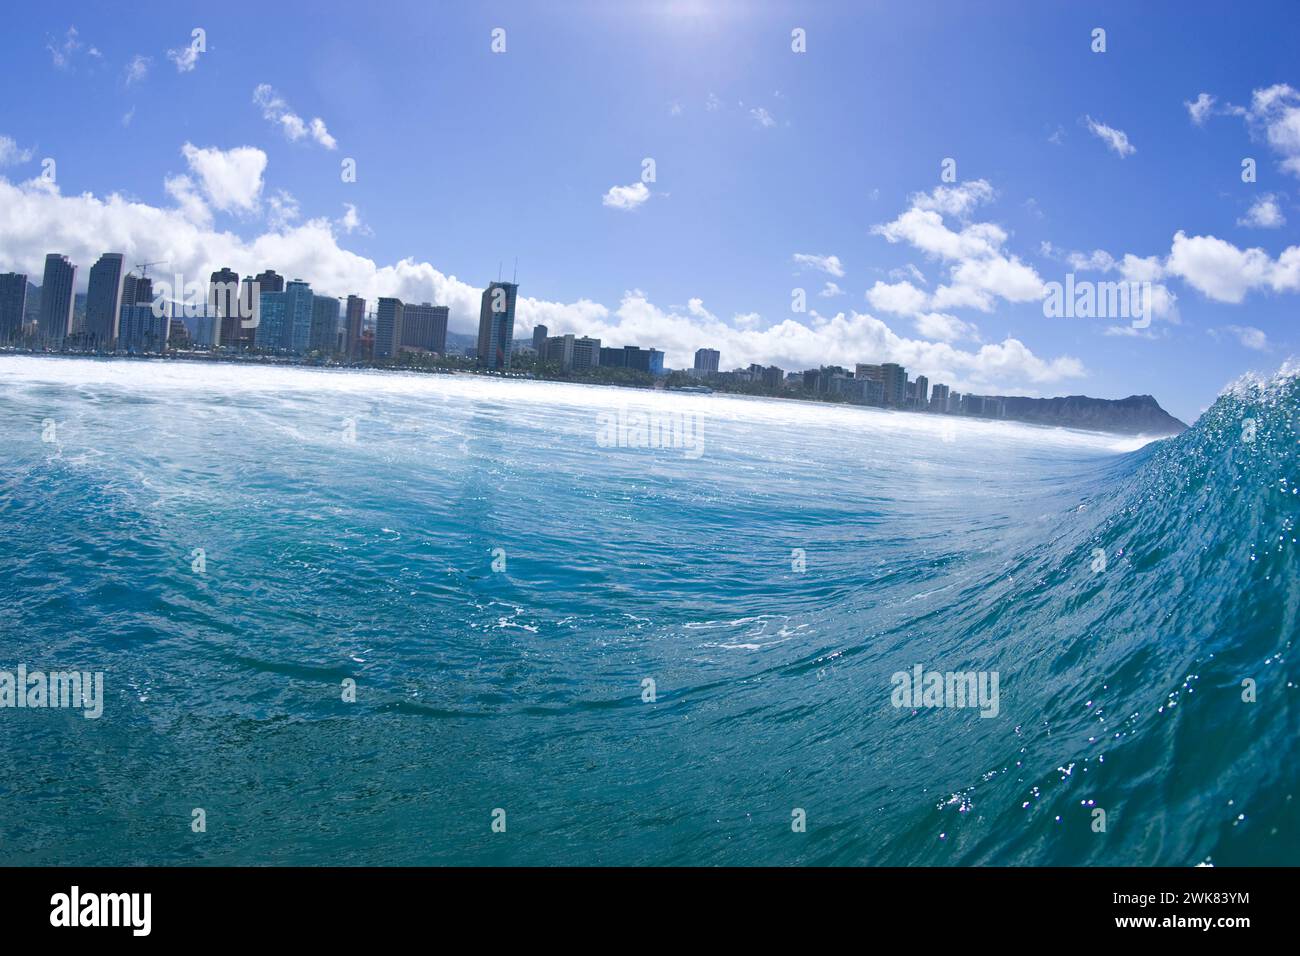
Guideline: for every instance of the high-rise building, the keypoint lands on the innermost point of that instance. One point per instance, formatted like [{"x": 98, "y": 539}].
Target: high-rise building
[
  {"x": 298, "y": 312},
  {"x": 939, "y": 398},
  {"x": 224, "y": 302},
  {"x": 57, "y": 298},
  {"x": 388, "y": 329},
  {"x": 496, "y": 325},
  {"x": 586, "y": 353},
  {"x": 355, "y": 318},
  {"x": 269, "y": 281},
  {"x": 424, "y": 327},
  {"x": 137, "y": 290},
  {"x": 141, "y": 331},
  {"x": 922, "y": 396},
  {"x": 284, "y": 322},
  {"x": 559, "y": 351},
  {"x": 706, "y": 361},
  {"x": 13, "y": 306},
  {"x": 539, "y": 339},
  {"x": 104, "y": 300},
  {"x": 324, "y": 334},
  {"x": 894, "y": 378}
]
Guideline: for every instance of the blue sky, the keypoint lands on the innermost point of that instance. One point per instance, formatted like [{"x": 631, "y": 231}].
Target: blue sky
[{"x": 466, "y": 158}]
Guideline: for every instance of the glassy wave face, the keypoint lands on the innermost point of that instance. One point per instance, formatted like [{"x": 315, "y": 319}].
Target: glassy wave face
[{"x": 634, "y": 655}]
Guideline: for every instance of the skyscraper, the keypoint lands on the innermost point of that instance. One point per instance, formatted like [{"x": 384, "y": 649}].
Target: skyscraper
[
  {"x": 496, "y": 325},
  {"x": 104, "y": 300},
  {"x": 13, "y": 305},
  {"x": 388, "y": 329},
  {"x": 324, "y": 325},
  {"x": 298, "y": 313},
  {"x": 895, "y": 380},
  {"x": 424, "y": 327},
  {"x": 269, "y": 281},
  {"x": 539, "y": 339},
  {"x": 356, "y": 317},
  {"x": 922, "y": 391},
  {"x": 55, "y": 320},
  {"x": 223, "y": 301},
  {"x": 706, "y": 360},
  {"x": 142, "y": 331}
]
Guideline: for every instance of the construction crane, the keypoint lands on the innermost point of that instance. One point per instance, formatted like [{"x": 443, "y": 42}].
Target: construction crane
[{"x": 144, "y": 266}]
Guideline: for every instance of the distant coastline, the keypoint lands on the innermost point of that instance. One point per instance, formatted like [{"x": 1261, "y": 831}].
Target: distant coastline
[{"x": 1134, "y": 415}]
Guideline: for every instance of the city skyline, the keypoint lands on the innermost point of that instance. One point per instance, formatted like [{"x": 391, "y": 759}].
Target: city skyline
[{"x": 740, "y": 205}]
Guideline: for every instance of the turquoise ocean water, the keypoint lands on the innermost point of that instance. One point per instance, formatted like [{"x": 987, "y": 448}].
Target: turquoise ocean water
[{"x": 501, "y": 582}]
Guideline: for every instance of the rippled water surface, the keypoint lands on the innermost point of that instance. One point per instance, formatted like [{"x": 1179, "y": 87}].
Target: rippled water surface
[{"x": 957, "y": 545}]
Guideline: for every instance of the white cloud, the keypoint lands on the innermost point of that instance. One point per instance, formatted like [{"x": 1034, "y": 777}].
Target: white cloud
[
  {"x": 1200, "y": 108},
  {"x": 322, "y": 135},
  {"x": 275, "y": 109},
  {"x": 980, "y": 272},
  {"x": 1225, "y": 273},
  {"x": 137, "y": 69},
  {"x": 282, "y": 210},
  {"x": 350, "y": 221},
  {"x": 901, "y": 298},
  {"x": 231, "y": 179},
  {"x": 11, "y": 154},
  {"x": 1115, "y": 139},
  {"x": 1249, "y": 337},
  {"x": 762, "y": 117},
  {"x": 830, "y": 290},
  {"x": 831, "y": 265},
  {"x": 713, "y": 104},
  {"x": 626, "y": 198},
  {"x": 1264, "y": 213},
  {"x": 944, "y": 327},
  {"x": 957, "y": 200},
  {"x": 186, "y": 58}
]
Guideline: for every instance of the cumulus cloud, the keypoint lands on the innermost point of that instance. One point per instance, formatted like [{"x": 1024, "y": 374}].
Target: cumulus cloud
[
  {"x": 1264, "y": 213},
  {"x": 1200, "y": 108},
  {"x": 1226, "y": 273},
  {"x": 11, "y": 154},
  {"x": 943, "y": 327},
  {"x": 762, "y": 117},
  {"x": 900, "y": 298},
  {"x": 830, "y": 290},
  {"x": 1115, "y": 139},
  {"x": 831, "y": 265},
  {"x": 186, "y": 58},
  {"x": 231, "y": 179},
  {"x": 35, "y": 219},
  {"x": 350, "y": 221},
  {"x": 626, "y": 198},
  {"x": 276, "y": 110},
  {"x": 980, "y": 272}
]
